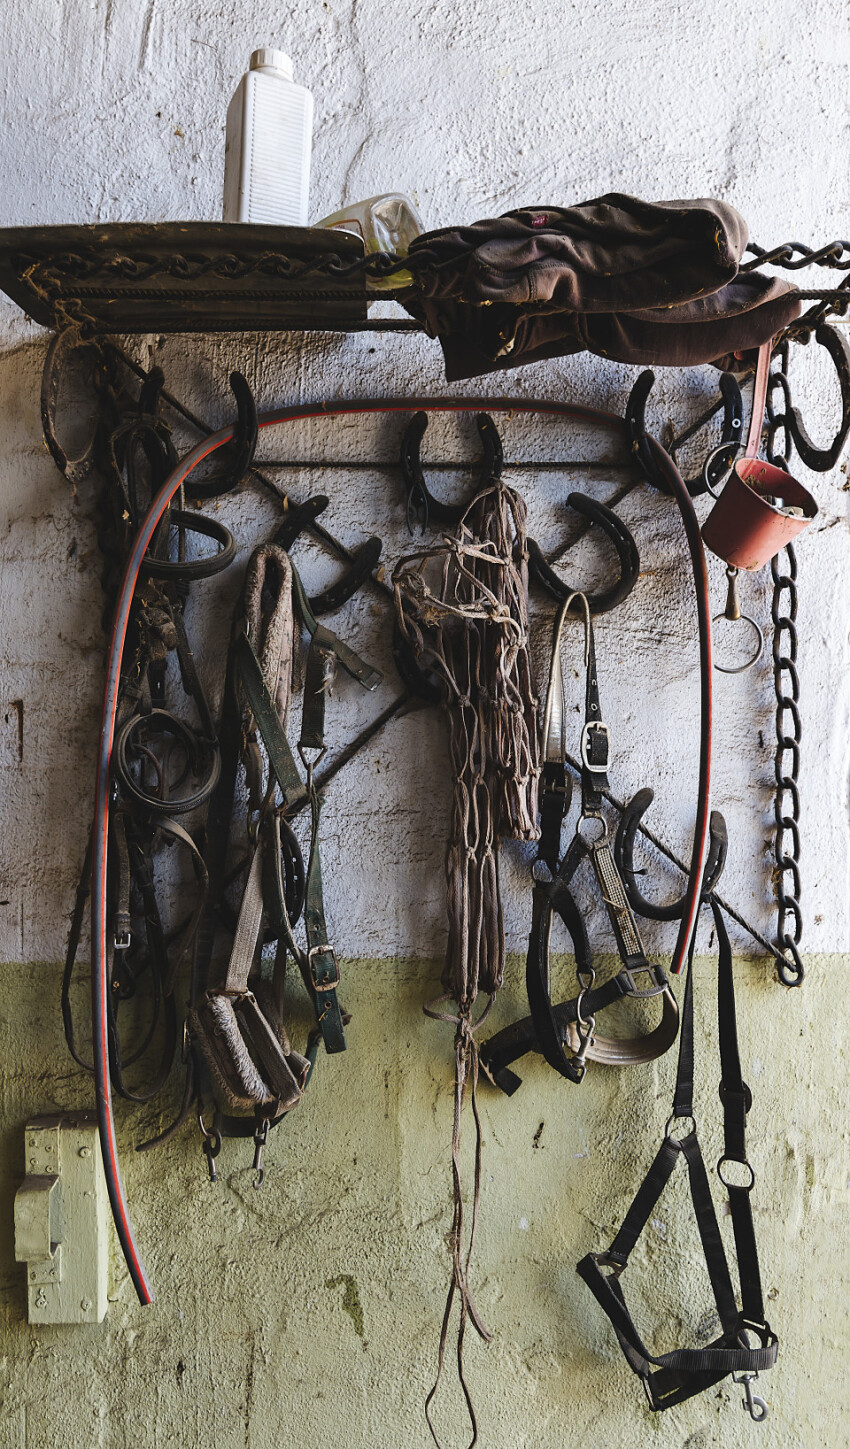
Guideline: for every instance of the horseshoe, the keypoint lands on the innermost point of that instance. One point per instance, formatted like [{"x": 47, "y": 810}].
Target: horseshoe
[
  {"x": 240, "y": 451},
  {"x": 624, "y": 856},
  {"x": 820, "y": 460},
  {"x": 731, "y": 434},
  {"x": 421, "y": 503},
  {"x": 614, "y": 529}
]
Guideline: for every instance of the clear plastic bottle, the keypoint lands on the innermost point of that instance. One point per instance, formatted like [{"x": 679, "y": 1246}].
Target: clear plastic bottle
[
  {"x": 387, "y": 223},
  {"x": 268, "y": 143}
]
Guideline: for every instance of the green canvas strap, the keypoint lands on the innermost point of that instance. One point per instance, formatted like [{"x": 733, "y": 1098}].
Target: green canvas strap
[
  {"x": 318, "y": 964},
  {"x": 271, "y": 730},
  {"x": 326, "y": 651},
  {"x": 321, "y": 958}
]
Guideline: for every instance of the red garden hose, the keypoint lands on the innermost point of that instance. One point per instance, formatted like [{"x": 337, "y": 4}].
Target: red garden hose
[{"x": 100, "y": 983}]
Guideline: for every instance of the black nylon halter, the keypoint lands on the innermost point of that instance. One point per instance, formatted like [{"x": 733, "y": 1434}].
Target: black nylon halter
[
  {"x": 551, "y": 1028},
  {"x": 671, "y": 1378}
]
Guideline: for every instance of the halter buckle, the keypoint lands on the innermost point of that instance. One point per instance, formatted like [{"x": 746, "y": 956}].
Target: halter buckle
[
  {"x": 122, "y": 937},
  {"x": 656, "y": 975},
  {"x": 323, "y": 950},
  {"x": 593, "y": 729}
]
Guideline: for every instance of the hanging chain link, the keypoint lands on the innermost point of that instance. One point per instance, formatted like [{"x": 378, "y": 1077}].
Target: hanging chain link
[
  {"x": 793, "y": 255},
  {"x": 786, "y": 682}
]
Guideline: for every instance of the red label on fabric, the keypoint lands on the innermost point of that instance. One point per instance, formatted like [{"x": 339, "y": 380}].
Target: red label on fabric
[{"x": 539, "y": 220}]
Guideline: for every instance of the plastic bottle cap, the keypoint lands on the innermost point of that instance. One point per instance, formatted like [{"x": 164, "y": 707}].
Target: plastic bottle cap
[{"x": 272, "y": 60}]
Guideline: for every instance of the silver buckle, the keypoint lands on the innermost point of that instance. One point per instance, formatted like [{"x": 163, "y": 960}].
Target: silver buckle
[{"x": 595, "y": 724}]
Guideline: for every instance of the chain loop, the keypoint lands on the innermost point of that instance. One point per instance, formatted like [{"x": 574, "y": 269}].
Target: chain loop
[
  {"x": 786, "y": 810},
  {"x": 786, "y": 680}
]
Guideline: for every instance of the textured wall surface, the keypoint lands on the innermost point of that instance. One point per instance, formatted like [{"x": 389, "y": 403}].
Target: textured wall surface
[{"x": 312, "y": 1309}]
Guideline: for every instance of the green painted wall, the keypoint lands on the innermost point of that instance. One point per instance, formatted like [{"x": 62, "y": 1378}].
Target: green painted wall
[{"x": 308, "y": 1312}]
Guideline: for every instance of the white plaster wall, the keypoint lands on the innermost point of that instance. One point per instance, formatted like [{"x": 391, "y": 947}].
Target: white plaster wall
[{"x": 114, "y": 110}]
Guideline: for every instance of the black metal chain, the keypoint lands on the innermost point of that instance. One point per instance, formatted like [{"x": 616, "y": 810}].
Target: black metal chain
[
  {"x": 793, "y": 255},
  {"x": 786, "y": 683}
]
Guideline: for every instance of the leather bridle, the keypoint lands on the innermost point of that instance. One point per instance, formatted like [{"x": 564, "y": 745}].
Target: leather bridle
[{"x": 137, "y": 553}]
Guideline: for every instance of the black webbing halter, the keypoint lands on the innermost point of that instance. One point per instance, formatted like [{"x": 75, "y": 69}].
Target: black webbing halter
[
  {"x": 572, "y": 1024},
  {"x": 671, "y": 1378}
]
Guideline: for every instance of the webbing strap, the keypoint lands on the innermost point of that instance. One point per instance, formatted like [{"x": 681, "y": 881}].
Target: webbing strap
[
  {"x": 673, "y": 1377},
  {"x": 271, "y": 730},
  {"x": 321, "y": 957}
]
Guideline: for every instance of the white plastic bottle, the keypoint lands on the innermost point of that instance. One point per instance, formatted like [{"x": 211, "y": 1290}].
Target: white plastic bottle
[{"x": 268, "y": 142}]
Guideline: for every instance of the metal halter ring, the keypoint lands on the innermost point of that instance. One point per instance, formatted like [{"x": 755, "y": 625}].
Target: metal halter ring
[
  {"x": 734, "y": 615},
  {"x": 583, "y": 820},
  {"x": 674, "y": 1118},
  {"x": 747, "y": 1186}
]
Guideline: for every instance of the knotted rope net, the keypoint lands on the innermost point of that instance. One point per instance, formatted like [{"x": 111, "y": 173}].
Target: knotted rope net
[{"x": 462, "y": 608}]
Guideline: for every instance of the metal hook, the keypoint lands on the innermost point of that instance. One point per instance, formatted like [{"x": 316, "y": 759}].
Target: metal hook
[
  {"x": 734, "y": 613},
  {"x": 261, "y": 1133},
  {"x": 363, "y": 561},
  {"x": 211, "y": 1144},
  {"x": 753, "y": 1403}
]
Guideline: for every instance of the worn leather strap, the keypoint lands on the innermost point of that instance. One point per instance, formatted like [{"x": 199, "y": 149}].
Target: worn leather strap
[{"x": 759, "y": 400}]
